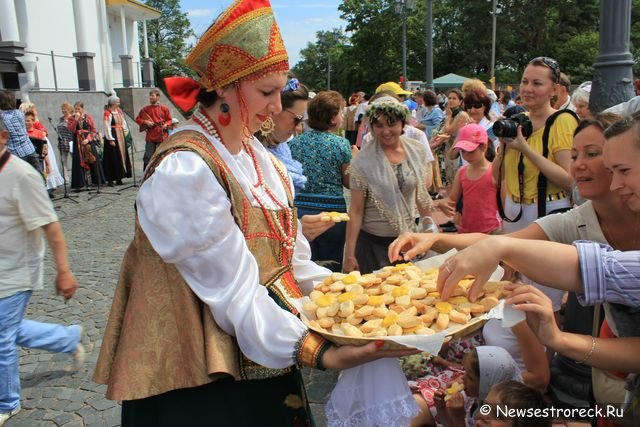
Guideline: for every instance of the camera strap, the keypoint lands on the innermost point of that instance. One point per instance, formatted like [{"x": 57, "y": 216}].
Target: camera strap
[
  {"x": 542, "y": 179},
  {"x": 503, "y": 215}
]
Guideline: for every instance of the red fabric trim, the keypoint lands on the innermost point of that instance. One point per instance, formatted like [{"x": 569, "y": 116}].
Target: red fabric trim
[{"x": 183, "y": 91}]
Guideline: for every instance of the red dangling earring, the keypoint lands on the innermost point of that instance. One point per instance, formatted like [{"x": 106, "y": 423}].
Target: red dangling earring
[{"x": 224, "y": 118}]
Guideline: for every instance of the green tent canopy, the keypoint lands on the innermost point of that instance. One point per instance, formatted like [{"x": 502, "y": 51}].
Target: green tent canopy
[{"x": 449, "y": 80}]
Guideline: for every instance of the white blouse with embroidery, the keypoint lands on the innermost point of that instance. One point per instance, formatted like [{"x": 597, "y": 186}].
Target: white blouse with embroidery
[{"x": 186, "y": 215}]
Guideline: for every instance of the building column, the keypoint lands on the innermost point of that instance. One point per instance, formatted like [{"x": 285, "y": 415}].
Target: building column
[
  {"x": 146, "y": 39},
  {"x": 613, "y": 69},
  {"x": 11, "y": 47},
  {"x": 147, "y": 73},
  {"x": 8, "y": 21},
  {"x": 126, "y": 61},
  {"x": 147, "y": 63},
  {"x": 84, "y": 58},
  {"x": 86, "y": 71},
  {"x": 28, "y": 79}
]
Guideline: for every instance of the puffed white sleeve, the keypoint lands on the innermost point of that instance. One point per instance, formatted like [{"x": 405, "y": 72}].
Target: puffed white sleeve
[
  {"x": 306, "y": 272},
  {"x": 107, "y": 126},
  {"x": 186, "y": 215}
]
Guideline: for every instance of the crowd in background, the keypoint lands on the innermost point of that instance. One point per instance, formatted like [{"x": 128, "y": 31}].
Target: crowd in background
[
  {"x": 494, "y": 163},
  {"x": 528, "y": 165},
  {"x": 91, "y": 151}
]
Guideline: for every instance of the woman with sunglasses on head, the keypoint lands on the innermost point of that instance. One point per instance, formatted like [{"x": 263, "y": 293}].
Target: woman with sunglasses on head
[
  {"x": 202, "y": 329},
  {"x": 325, "y": 157},
  {"x": 534, "y": 171},
  {"x": 537, "y": 87}
]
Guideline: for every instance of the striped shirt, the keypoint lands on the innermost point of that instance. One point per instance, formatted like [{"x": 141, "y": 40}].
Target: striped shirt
[
  {"x": 19, "y": 144},
  {"x": 608, "y": 275},
  {"x": 65, "y": 136}
]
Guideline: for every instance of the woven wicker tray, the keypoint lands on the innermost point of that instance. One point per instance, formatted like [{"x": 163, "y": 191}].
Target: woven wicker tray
[{"x": 452, "y": 332}]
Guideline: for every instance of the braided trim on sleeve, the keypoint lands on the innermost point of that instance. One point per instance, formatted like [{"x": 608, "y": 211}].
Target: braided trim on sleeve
[{"x": 309, "y": 350}]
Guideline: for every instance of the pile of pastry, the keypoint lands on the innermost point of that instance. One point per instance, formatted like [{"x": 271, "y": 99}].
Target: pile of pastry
[
  {"x": 334, "y": 216},
  {"x": 397, "y": 300}
]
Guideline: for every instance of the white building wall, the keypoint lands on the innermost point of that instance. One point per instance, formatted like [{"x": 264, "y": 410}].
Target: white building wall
[{"x": 51, "y": 26}]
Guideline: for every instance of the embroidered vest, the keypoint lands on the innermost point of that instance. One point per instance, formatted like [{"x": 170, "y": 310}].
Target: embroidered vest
[{"x": 160, "y": 336}]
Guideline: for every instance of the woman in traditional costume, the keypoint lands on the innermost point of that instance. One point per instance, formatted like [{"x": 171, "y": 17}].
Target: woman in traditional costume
[
  {"x": 115, "y": 160},
  {"x": 84, "y": 129},
  {"x": 202, "y": 329}
]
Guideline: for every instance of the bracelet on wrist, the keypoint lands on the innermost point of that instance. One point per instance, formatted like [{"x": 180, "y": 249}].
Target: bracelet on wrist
[{"x": 588, "y": 356}]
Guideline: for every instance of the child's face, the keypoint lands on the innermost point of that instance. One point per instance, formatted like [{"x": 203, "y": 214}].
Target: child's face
[
  {"x": 29, "y": 121},
  {"x": 489, "y": 420},
  {"x": 475, "y": 155}
]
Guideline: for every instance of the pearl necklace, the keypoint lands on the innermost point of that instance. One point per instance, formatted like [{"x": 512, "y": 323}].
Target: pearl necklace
[
  {"x": 283, "y": 226},
  {"x": 203, "y": 120}
]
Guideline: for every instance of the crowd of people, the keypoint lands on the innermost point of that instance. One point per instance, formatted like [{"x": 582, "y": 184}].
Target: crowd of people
[
  {"x": 534, "y": 180},
  {"x": 100, "y": 152}
]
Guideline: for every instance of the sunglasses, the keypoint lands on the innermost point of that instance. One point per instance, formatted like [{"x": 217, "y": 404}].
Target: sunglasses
[
  {"x": 477, "y": 105},
  {"x": 297, "y": 118},
  {"x": 549, "y": 63}
]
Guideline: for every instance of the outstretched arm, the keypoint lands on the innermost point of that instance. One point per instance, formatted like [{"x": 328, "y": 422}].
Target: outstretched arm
[
  {"x": 554, "y": 264},
  {"x": 619, "y": 354}
]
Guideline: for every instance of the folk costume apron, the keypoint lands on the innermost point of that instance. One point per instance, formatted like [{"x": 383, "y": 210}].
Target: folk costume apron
[{"x": 160, "y": 337}]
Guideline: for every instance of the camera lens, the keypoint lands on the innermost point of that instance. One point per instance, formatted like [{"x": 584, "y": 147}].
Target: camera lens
[{"x": 505, "y": 128}]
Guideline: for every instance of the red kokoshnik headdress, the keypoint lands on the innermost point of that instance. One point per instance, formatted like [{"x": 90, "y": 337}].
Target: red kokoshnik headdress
[{"x": 244, "y": 43}]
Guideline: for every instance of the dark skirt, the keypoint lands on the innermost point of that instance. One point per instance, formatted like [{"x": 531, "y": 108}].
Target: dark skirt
[
  {"x": 112, "y": 163},
  {"x": 77, "y": 172},
  {"x": 352, "y": 136},
  {"x": 79, "y": 175},
  {"x": 372, "y": 251},
  {"x": 279, "y": 401}
]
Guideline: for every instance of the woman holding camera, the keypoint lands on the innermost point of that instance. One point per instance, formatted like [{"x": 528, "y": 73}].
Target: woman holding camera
[{"x": 520, "y": 161}]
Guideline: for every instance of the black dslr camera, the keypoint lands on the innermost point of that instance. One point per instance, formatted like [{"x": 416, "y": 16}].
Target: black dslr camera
[{"x": 508, "y": 128}]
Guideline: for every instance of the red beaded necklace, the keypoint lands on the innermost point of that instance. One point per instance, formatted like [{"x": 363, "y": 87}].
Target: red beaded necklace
[{"x": 281, "y": 225}]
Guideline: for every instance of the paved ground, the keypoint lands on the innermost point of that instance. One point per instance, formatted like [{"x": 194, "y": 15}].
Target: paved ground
[{"x": 97, "y": 232}]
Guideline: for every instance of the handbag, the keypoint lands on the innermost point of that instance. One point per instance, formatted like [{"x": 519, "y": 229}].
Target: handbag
[{"x": 97, "y": 146}]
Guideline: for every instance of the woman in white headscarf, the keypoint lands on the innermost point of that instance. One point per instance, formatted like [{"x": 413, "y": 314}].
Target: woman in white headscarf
[{"x": 115, "y": 161}]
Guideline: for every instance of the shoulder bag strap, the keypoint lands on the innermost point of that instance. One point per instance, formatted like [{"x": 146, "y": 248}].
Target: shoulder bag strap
[
  {"x": 4, "y": 159},
  {"x": 542, "y": 179}
]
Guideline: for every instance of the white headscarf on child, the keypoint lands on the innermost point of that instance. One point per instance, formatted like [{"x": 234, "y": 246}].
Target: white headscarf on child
[{"x": 496, "y": 365}]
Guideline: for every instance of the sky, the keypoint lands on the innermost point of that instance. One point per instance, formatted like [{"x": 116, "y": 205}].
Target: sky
[{"x": 299, "y": 20}]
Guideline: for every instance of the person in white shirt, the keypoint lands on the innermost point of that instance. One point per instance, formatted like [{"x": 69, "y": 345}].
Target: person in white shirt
[{"x": 26, "y": 218}]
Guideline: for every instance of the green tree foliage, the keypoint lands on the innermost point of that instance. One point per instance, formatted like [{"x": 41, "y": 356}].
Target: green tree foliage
[
  {"x": 635, "y": 35},
  {"x": 315, "y": 67},
  {"x": 167, "y": 37},
  {"x": 372, "y": 53}
]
